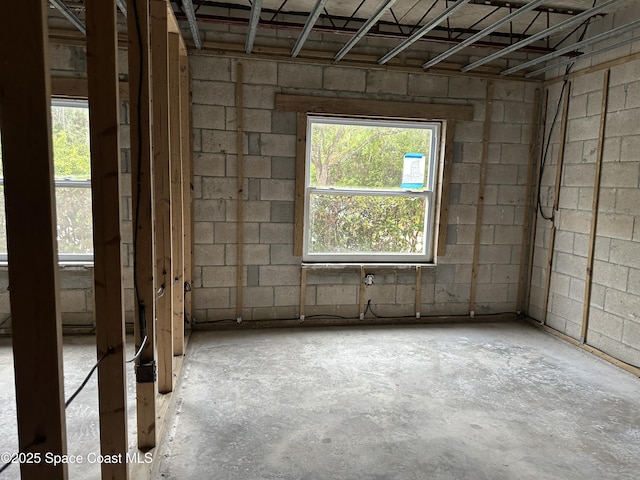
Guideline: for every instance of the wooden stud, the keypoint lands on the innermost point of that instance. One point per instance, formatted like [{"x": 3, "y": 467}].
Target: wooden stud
[
  {"x": 418, "y": 291},
  {"x": 25, "y": 118},
  {"x": 303, "y": 291},
  {"x": 143, "y": 216},
  {"x": 480, "y": 207},
  {"x": 556, "y": 202},
  {"x": 362, "y": 291},
  {"x": 594, "y": 209},
  {"x": 526, "y": 231},
  {"x": 443, "y": 222},
  {"x": 162, "y": 192},
  {"x": 177, "y": 220},
  {"x": 240, "y": 188},
  {"x": 536, "y": 198},
  {"x": 301, "y": 159},
  {"x": 345, "y": 106},
  {"x": 104, "y": 117},
  {"x": 187, "y": 188},
  {"x": 172, "y": 23}
]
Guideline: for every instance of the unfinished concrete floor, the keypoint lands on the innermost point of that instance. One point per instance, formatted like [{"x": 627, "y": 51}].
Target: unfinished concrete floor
[
  {"x": 79, "y": 355},
  {"x": 483, "y": 401}
]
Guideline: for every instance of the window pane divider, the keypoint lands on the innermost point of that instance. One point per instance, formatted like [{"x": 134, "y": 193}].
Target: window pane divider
[{"x": 370, "y": 193}]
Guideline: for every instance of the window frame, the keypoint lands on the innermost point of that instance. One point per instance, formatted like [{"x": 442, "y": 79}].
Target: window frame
[
  {"x": 65, "y": 258},
  {"x": 448, "y": 114},
  {"x": 431, "y": 194}
]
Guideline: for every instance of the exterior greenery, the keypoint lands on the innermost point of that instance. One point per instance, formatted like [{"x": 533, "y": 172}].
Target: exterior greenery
[
  {"x": 356, "y": 204},
  {"x": 72, "y": 173}
]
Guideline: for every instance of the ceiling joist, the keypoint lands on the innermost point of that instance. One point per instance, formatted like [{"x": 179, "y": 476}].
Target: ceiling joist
[
  {"x": 256, "y": 8},
  {"x": 187, "y": 6},
  {"x": 423, "y": 31},
  {"x": 509, "y": 18},
  {"x": 543, "y": 34},
  {"x": 456, "y": 23},
  {"x": 368, "y": 25},
  {"x": 573, "y": 47},
  {"x": 69, "y": 15},
  {"x": 308, "y": 26}
]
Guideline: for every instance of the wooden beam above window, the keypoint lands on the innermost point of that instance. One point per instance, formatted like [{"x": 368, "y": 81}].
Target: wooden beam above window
[{"x": 375, "y": 108}]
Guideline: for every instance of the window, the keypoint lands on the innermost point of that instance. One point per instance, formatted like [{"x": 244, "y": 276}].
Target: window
[
  {"x": 370, "y": 190},
  {"x": 72, "y": 176}
]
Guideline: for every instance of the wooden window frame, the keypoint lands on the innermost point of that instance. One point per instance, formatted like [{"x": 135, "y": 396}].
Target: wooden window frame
[{"x": 448, "y": 115}]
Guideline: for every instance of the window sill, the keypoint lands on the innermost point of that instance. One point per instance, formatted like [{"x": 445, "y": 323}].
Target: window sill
[
  {"x": 394, "y": 266},
  {"x": 75, "y": 264},
  {"x": 64, "y": 265}
]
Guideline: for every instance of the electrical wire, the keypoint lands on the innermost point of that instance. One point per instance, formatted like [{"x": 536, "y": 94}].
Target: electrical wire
[
  {"x": 460, "y": 315},
  {"x": 543, "y": 161},
  {"x": 139, "y": 352},
  {"x": 142, "y": 320},
  {"x": 367, "y": 310},
  {"x": 67, "y": 403},
  {"x": 86, "y": 379},
  {"x": 548, "y": 144},
  {"x": 187, "y": 288},
  {"x": 37, "y": 441}
]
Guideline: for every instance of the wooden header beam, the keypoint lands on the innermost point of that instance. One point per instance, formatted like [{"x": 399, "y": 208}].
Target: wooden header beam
[
  {"x": 25, "y": 118},
  {"x": 77, "y": 88},
  {"x": 345, "y": 106}
]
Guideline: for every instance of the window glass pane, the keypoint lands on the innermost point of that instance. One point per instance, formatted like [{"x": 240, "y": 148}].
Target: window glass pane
[
  {"x": 362, "y": 155},
  {"x": 75, "y": 227},
  {"x": 70, "y": 135},
  {"x": 366, "y": 224},
  {"x": 72, "y": 173}
]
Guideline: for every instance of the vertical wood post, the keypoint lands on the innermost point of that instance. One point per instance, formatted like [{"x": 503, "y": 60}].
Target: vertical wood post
[
  {"x": 177, "y": 209},
  {"x": 162, "y": 191},
  {"x": 362, "y": 292},
  {"x": 303, "y": 291},
  {"x": 143, "y": 218},
  {"x": 301, "y": 149},
  {"x": 418, "y": 302},
  {"x": 594, "y": 209},
  {"x": 240, "y": 198},
  {"x": 480, "y": 208},
  {"x": 556, "y": 202},
  {"x": 104, "y": 113},
  {"x": 526, "y": 230},
  {"x": 443, "y": 222},
  {"x": 25, "y": 119},
  {"x": 536, "y": 198},
  {"x": 186, "y": 145}
]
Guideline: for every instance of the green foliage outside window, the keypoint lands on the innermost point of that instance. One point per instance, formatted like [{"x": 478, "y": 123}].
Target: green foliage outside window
[
  {"x": 70, "y": 139},
  {"x": 365, "y": 224},
  {"x": 360, "y": 156},
  {"x": 367, "y": 158}
]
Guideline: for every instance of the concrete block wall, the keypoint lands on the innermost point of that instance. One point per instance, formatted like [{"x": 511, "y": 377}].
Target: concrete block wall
[
  {"x": 76, "y": 280},
  {"x": 614, "y": 307},
  {"x": 271, "y": 271}
]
